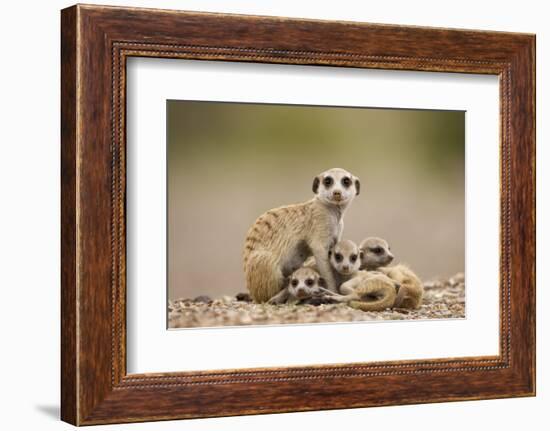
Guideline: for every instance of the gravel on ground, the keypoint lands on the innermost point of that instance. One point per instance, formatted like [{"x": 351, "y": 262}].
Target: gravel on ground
[{"x": 443, "y": 299}]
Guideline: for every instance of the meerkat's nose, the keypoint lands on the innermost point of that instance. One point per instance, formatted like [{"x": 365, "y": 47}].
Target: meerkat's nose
[
  {"x": 390, "y": 257},
  {"x": 345, "y": 267},
  {"x": 336, "y": 193}
]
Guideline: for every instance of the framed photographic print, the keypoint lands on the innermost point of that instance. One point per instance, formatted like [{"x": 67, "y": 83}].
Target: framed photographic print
[{"x": 280, "y": 207}]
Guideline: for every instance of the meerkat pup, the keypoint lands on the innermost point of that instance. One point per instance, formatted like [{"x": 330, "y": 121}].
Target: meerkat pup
[
  {"x": 344, "y": 257},
  {"x": 345, "y": 260},
  {"x": 303, "y": 284},
  {"x": 281, "y": 239},
  {"x": 359, "y": 289},
  {"x": 376, "y": 255}
]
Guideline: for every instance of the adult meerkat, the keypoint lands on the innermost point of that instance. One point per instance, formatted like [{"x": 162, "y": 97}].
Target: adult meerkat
[
  {"x": 359, "y": 289},
  {"x": 303, "y": 284},
  {"x": 281, "y": 239},
  {"x": 376, "y": 255}
]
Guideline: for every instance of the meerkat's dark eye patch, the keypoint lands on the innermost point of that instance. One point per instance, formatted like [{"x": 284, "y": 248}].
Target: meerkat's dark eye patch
[
  {"x": 346, "y": 182},
  {"x": 353, "y": 258},
  {"x": 377, "y": 250},
  {"x": 328, "y": 181},
  {"x": 338, "y": 257},
  {"x": 294, "y": 282},
  {"x": 309, "y": 282}
]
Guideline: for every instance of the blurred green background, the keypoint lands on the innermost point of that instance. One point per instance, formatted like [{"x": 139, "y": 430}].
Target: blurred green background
[{"x": 230, "y": 162}]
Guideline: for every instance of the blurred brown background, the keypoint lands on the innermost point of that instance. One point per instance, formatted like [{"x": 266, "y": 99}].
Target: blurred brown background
[{"x": 230, "y": 162}]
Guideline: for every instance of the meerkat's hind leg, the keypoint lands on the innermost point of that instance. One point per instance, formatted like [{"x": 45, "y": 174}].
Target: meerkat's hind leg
[
  {"x": 323, "y": 266},
  {"x": 264, "y": 279},
  {"x": 411, "y": 289},
  {"x": 408, "y": 298},
  {"x": 401, "y": 295}
]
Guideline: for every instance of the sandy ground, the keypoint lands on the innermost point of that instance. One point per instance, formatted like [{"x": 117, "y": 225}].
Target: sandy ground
[{"x": 443, "y": 299}]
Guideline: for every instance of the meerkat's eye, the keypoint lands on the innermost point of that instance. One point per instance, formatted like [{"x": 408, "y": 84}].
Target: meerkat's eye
[
  {"x": 294, "y": 282},
  {"x": 338, "y": 257},
  {"x": 309, "y": 282},
  {"x": 353, "y": 258},
  {"x": 346, "y": 182},
  {"x": 377, "y": 250},
  {"x": 327, "y": 181}
]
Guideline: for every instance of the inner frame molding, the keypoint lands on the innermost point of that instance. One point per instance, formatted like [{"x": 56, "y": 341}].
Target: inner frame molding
[
  {"x": 153, "y": 81},
  {"x": 121, "y": 52},
  {"x": 96, "y": 42}
]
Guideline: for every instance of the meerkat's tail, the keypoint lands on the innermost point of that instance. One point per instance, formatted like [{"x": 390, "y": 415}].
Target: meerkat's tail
[
  {"x": 376, "y": 294},
  {"x": 264, "y": 279}
]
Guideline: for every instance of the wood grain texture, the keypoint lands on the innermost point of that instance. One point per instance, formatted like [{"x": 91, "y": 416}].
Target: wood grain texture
[{"x": 96, "y": 41}]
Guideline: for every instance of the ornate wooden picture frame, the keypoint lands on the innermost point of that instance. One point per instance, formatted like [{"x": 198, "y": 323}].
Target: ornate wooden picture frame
[{"x": 96, "y": 41}]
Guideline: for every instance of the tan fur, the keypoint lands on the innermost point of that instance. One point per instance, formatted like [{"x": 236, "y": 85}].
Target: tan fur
[
  {"x": 281, "y": 239},
  {"x": 367, "y": 291},
  {"x": 375, "y": 253},
  {"x": 345, "y": 268},
  {"x": 411, "y": 289},
  {"x": 298, "y": 290},
  {"x": 310, "y": 263},
  {"x": 346, "y": 249}
]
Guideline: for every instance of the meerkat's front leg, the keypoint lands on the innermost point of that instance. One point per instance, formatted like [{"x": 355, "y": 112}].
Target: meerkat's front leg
[
  {"x": 320, "y": 252},
  {"x": 280, "y": 298},
  {"x": 340, "y": 231},
  {"x": 347, "y": 290}
]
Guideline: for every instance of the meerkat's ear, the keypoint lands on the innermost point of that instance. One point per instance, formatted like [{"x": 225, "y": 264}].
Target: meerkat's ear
[
  {"x": 322, "y": 282},
  {"x": 315, "y": 186},
  {"x": 357, "y": 186},
  {"x": 329, "y": 253},
  {"x": 361, "y": 254}
]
